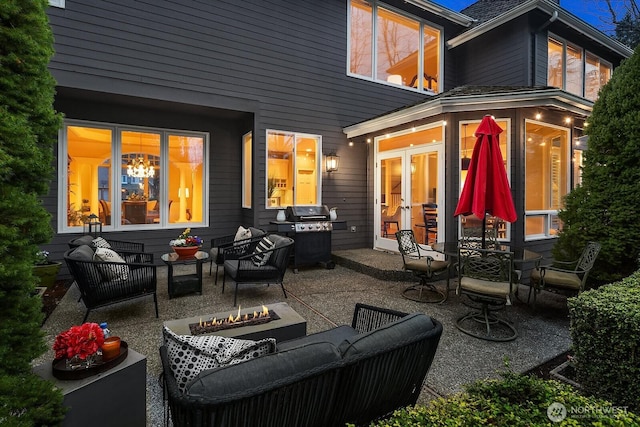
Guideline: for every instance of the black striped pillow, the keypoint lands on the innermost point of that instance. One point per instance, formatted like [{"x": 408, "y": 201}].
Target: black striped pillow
[{"x": 261, "y": 258}]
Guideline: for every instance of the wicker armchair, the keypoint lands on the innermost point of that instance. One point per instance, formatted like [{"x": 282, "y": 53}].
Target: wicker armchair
[
  {"x": 485, "y": 277},
  {"x": 103, "y": 283},
  {"x": 226, "y": 247},
  {"x": 244, "y": 271}
]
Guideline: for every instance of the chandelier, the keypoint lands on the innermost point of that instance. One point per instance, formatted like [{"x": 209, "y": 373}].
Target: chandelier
[{"x": 140, "y": 169}]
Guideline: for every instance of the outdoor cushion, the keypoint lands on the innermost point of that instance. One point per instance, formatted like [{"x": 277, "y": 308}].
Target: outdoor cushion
[
  {"x": 82, "y": 240},
  {"x": 421, "y": 265},
  {"x": 111, "y": 271},
  {"x": 381, "y": 338},
  {"x": 189, "y": 355},
  {"x": 273, "y": 370},
  {"x": 261, "y": 258},
  {"x": 82, "y": 253},
  {"x": 486, "y": 287},
  {"x": 333, "y": 336},
  {"x": 560, "y": 279},
  {"x": 242, "y": 234},
  {"x": 100, "y": 242}
]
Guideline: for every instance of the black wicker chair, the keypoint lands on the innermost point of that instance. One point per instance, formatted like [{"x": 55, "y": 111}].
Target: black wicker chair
[
  {"x": 103, "y": 283},
  {"x": 243, "y": 270},
  {"x": 225, "y": 247}
]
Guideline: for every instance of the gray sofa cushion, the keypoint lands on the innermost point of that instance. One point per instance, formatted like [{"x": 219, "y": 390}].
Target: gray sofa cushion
[
  {"x": 334, "y": 336},
  {"x": 82, "y": 253},
  {"x": 82, "y": 240},
  {"x": 265, "y": 372},
  {"x": 386, "y": 336}
]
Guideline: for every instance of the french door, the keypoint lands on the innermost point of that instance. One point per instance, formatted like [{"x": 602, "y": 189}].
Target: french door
[{"x": 409, "y": 182}]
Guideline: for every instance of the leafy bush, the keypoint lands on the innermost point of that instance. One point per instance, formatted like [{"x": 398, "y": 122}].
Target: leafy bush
[
  {"x": 605, "y": 330},
  {"x": 514, "y": 401}
]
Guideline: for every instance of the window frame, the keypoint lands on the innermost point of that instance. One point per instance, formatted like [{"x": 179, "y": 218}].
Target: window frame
[
  {"x": 318, "y": 164},
  {"x": 116, "y": 176},
  {"x": 57, "y": 3},
  {"x": 422, "y": 23},
  {"x": 247, "y": 170},
  {"x": 548, "y": 216}
]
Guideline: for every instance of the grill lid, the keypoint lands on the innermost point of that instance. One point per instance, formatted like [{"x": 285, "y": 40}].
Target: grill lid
[{"x": 307, "y": 213}]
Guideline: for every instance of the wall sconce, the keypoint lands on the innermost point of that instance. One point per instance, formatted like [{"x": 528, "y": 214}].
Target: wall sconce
[{"x": 332, "y": 162}]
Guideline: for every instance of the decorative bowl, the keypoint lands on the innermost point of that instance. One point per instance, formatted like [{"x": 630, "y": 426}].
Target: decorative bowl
[{"x": 185, "y": 251}]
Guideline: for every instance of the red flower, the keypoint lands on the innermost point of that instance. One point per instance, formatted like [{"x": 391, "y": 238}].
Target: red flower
[{"x": 81, "y": 341}]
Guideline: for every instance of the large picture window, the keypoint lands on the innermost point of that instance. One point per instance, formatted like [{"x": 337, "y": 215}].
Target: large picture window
[
  {"x": 387, "y": 46},
  {"x": 547, "y": 178},
  {"x": 157, "y": 180},
  {"x": 293, "y": 169},
  {"x": 570, "y": 69}
]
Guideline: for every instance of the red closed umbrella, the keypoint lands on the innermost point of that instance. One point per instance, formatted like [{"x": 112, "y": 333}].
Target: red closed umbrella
[{"x": 486, "y": 189}]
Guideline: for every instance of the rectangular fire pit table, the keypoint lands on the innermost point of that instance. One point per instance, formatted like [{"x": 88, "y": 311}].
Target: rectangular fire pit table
[
  {"x": 185, "y": 283},
  {"x": 290, "y": 324}
]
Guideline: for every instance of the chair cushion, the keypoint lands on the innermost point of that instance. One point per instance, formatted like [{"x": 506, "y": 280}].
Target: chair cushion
[
  {"x": 257, "y": 232},
  {"x": 334, "y": 336},
  {"x": 261, "y": 258},
  {"x": 81, "y": 253},
  {"x": 189, "y": 355},
  {"x": 487, "y": 287},
  {"x": 110, "y": 271},
  {"x": 242, "y": 234},
  {"x": 387, "y": 335},
  {"x": 421, "y": 265},
  {"x": 82, "y": 240},
  {"x": 558, "y": 279},
  {"x": 273, "y": 370},
  {"x": 100, "y": 242}
]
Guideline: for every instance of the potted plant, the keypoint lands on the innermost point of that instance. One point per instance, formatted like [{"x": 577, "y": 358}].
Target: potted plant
[
  {"x": 186, "y": 244},
  {"x": 45, "y": 269}
]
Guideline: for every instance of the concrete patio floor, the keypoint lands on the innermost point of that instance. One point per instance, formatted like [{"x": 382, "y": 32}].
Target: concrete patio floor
[{"x": 326, "y": 298}]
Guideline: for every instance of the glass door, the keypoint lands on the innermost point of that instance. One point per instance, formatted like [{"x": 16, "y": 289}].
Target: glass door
[{"x": 408, "y": 196}]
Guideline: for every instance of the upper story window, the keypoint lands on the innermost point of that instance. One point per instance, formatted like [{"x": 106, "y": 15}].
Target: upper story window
[
  {"x": 569, "y": 68},
  {"x": 293, "y": 169},
  {"x": 387, "y": 46},
  {"x": 165, "y": 188},
  {"x": 57, "y": 3}
]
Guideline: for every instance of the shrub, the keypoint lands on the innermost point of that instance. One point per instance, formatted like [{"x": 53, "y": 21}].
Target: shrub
[
  {"x": 514, "y": 400},
  {"x": 605, "y": 330}
]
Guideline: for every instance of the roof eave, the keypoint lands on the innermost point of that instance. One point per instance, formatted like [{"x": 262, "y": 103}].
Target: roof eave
[
  {"x": 554, "y": 98},
  {"x": 439, "y": 10},
  {"x": 548, "y": 7}
]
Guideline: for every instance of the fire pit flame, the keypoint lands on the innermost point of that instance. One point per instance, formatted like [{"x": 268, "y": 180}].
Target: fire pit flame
[{"x": 214, "y": 325}]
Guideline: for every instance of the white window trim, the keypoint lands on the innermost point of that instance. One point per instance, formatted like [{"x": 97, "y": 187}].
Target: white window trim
[
  {"x": 374, "y": 54},
  {"x": 116, "y": 176},
  {"x": 57, "y": 3},
  {"x": 547, "y": 213},
  {"x": 244, "y": 171}
]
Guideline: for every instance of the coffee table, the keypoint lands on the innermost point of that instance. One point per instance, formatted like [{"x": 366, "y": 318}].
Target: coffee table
[
  {"x": 185, "y": 283},
  {"x": 290, "y": 324}
]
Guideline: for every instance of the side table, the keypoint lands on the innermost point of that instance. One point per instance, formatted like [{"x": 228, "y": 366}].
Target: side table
[
  {"x": 184, "y": 283},
  {"x": 123, "y": 388}
]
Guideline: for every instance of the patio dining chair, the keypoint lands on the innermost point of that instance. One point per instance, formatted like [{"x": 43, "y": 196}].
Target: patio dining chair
[
  {"x": 485, "y": 277},
  {"x": 425, "y": 267},
  {"x": 567, "y": 277}
]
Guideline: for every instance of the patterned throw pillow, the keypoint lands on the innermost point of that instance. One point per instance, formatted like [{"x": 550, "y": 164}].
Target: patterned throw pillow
[
  {"x": 242, "y": 234},
  {"x": 110, "y": 272},
  {"x": 99, "y": 242},
  {"x": 261, "y": 258},
  {"x": 189, "y": 355}
]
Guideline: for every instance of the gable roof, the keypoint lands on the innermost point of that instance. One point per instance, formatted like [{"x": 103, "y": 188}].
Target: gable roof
[
  {"x": 475, "y": 98},
  {"x": 490, "y": 14}
]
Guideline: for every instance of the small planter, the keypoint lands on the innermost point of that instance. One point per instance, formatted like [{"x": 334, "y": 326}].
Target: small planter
[{"x": 47, "y": 273}]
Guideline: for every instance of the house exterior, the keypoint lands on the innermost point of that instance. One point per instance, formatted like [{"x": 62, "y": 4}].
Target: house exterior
[{"x": 213, "y": 114}]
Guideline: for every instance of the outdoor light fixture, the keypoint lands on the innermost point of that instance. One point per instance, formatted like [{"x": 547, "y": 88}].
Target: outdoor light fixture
[
  {"x": 140, "y": 168},
  {"x": 332, "y": 162},
  {"x": 93, "y": 226},
  {"x": 465, "y": 160}
]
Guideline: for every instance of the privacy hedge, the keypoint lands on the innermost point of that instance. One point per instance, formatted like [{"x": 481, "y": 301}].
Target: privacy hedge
[
  {"x": 514, "y": 401},
  {"x": 605, "y": 329}
]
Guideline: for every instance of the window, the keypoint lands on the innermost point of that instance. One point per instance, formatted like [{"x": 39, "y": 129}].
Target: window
[
  {"x": 547, "y": 178},
  {"x": 159, "y": 181},
  {"x": 247, "y": 152},
  {"x": 568, "y": 69},
  {"x": 467, "y": 142},
  {"x": 57, "y": 3},
  {"x": 390, "y": 47},
  {"x": 293, "y": 169}
]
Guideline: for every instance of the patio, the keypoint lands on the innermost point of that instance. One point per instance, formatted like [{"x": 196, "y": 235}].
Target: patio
[{"x": 325, "y": 298}]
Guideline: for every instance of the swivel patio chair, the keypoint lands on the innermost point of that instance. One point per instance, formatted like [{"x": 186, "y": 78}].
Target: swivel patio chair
[
  {"x": 265, "y": 261},
  {"x": 425, "y": 267},
  {"x": 568, "y": 277},
  {"x": 485, "y": 277}
]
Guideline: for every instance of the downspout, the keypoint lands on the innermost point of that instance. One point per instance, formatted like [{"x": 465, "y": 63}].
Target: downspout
[{"x": 534, "y": 38}]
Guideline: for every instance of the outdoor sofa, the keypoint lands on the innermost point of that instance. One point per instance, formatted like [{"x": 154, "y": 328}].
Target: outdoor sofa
[{"x": 353, "y": 374}]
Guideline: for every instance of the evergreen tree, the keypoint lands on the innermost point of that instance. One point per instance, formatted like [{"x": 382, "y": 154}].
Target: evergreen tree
[
  {"x": 628, "y": 31},
  {"x": 606, "y": 207},
  {"x": 28, "y": 132}
]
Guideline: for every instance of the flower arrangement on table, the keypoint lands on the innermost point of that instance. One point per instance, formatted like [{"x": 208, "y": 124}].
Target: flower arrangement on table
[
  {"x": 79, "y": 342},
  {"x": 186, "y": 244}
]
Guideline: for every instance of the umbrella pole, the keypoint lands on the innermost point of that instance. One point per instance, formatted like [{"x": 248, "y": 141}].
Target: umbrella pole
[{"x": 484, "y": 234}]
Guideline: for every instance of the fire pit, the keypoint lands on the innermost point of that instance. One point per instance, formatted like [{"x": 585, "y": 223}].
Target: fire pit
[
  {"x": 284, "y": 324},
  {"x": 238, "y": 321}
]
